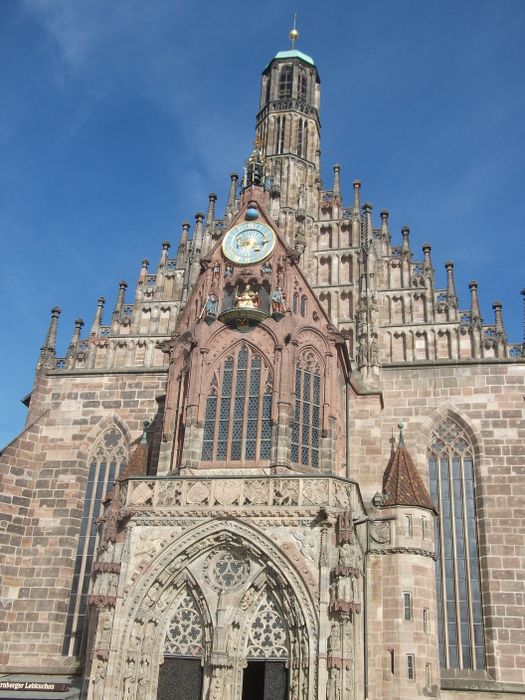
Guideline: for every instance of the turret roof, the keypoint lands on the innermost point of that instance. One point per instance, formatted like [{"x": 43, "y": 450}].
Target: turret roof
[
  {"x": 402, "y": 483},
  {"x": 294, "y": 53}
]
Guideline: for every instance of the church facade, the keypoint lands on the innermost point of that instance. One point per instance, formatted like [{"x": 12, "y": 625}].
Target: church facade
[{"x": 214, "y": 497}]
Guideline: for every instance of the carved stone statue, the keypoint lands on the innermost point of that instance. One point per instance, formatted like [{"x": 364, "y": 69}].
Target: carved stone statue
[
  {"x": 333, "y": 687},
  {"x": 334, "y": 640},
  {"x": 221, "y": 684},
  {"x": 210, "y": 306},
  {"x": 277, "y": 301}
]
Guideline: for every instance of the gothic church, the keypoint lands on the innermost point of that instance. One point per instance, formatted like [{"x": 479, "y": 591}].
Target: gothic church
[{"x": 213, "y": 496}]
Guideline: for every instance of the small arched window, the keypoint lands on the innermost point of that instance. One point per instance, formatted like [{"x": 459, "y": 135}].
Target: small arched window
[
  {"x": 460, "y": 622},
  {"x": 285, "y": 82},
  {"x": 237, "y": 422},
  {"x": 306, "y": 432},
  {"x": 108, "y": 458}
]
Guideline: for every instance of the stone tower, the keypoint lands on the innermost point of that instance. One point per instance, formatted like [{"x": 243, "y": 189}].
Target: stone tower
[{"x": 198, "y": 506}]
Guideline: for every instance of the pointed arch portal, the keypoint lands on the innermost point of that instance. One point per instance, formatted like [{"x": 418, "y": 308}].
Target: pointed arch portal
[{"x": 221, "y": 613}]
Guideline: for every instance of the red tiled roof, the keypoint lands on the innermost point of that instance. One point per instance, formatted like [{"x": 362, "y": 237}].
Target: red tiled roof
[
  {"x": 138, "y": 462},
  {"x": 402, "y": 484}
]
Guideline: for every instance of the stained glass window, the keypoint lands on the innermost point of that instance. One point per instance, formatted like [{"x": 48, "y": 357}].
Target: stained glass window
[
  {"x": 237, "y": 421},
  {"x": 109, "y": 456},
  {"x": 460, "y": 624},
  {"x": 306, "y": 431}
]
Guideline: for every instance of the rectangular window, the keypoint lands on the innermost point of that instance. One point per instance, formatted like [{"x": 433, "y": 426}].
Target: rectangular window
[
  {"x": 407, "y": 605},
  {"x": 424, "y": 528},
  {"x": 392, "y": 656},
  {"x": 408, "y": 526},
  {"x": 411, "y": 669}
]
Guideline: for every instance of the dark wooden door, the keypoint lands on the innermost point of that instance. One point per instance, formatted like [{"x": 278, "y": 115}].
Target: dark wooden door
[{"x": 180, "y": 679}]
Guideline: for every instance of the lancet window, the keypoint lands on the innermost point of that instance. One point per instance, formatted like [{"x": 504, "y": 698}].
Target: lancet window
[
  {"x": 460, "y": 622},
  {"x": 306, "y": 432},
  {"x": 285, "y": 82},
  {"x": 280, "y": 127},
  {"x": 237, "y": 423},
  {"x": 108, "y": 457},
  {"x": 302, "y": 138}
]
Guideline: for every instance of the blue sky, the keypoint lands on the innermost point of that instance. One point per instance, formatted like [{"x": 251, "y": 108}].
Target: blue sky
[{"x": 118, "y": 118}]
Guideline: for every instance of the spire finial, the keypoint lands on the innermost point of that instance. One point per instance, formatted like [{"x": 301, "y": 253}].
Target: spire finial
[
  {"x": 401, "y": 426},
  {"x": 144, "y": 437},
  {"x": 47, "y": 352},
  {"x": 294, "y": 34}
]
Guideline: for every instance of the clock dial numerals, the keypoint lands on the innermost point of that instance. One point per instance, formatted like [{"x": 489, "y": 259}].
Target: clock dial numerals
[{"x": 248, "y": 243}]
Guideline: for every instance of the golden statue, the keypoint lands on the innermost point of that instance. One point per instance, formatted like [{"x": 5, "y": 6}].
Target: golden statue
[{"x": 247, "y": 299}]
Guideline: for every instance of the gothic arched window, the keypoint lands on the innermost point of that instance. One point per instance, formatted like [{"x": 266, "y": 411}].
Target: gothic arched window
[
  {"x": 237, "y": 422},
  {"x": 460, "y": 621},
  {"x": 285, "y": 82},
  {"x": 303, "y": 86},
  {"x": 302, "y": 138},
  {"x": 108, "y": 457},
  {"x": 306, "y": 432},
  {"x": 280, "y": 126}
]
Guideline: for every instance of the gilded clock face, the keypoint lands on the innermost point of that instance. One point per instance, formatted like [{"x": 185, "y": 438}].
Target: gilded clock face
[{"x": 248, "y": 243}]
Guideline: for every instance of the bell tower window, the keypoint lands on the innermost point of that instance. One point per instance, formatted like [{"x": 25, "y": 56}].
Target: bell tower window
[
  {"x": 460, "y": 621},
  {"x": 303, "y": 86},
  {"x": 306, "y": 432},
  {"x": 285, "y": 82},
  {"x": 237, "y": 422}
]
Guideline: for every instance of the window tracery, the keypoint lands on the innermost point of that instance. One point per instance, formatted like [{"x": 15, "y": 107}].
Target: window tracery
[
  {"x": 285, "y": 82},
  {"x": 227, "y": 569},
  {"x": 306, "y": 432},
  {"x": 108, "y": 457},
  {"x": 460, "y": 622},
  {"x": 185, "y": 633},
  {"x": 268, "y": 636},
  {"x": 237, "y": 422}
]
